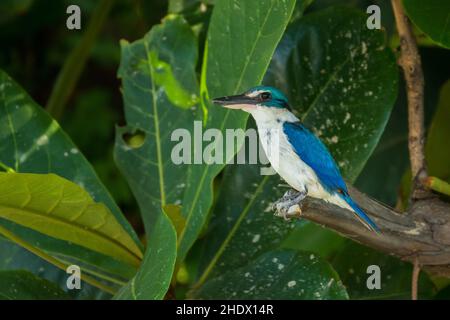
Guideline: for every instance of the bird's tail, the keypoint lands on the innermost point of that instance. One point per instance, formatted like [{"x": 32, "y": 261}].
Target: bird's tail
[{"x": 360, "y": 214}]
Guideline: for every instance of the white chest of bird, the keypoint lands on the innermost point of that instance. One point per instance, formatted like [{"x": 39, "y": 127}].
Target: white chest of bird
[{"x": 284, "y": 160}]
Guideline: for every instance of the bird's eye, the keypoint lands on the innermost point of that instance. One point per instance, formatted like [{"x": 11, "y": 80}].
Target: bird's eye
[{"x": 266, "y": 96}]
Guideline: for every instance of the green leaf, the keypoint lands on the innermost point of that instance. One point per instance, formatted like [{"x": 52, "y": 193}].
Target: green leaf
[
  {"x": 154, "y": 275},
  {"x": 230, "y": 65},
  {"x": 30, "y": 141},
  {"x": 61, "y": 209},
  {"x": 282, "y": 274},
  {"x": 436, "y": 150},
  {"x": 352, "y": 261},
  {"x": 174, "y": 214},
  {"x": 23, "y": 285},
  {"x": 341, "y": 79},
  {"x": 443, "y": 294},
  {"x": 390, "y": 156},
  {"x": 432, "y": 17},
  {"x": 241, "y": 213},
  {"x": 14, "y": 257},
  {"x": 159, "y": 90}
]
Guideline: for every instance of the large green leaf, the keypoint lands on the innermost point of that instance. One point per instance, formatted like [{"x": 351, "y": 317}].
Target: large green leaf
[
  {"x": 281, "y": 274},
  {"x": 23, "y": 285},
  {"x": 432, "y": 17},
  {"x": 352, "y": 261},
  {"x": 154, "y": 275},
  {"x": 231, "y": 65},
  {"x": 341, "y": 79},
  {"x": 159, "y": 92},
  {"x": 240, "y": 215},
  {"x": 30, "y": 141},
  {"x": 390, "y": 156},
  {"x": 443, "y": 294},
  {"x": 91, "y": 262},
  {"x": 63, "y": 210}
]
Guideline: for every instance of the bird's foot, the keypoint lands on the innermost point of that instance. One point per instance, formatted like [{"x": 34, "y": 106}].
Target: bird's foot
[{"x": 288, "y": 206}]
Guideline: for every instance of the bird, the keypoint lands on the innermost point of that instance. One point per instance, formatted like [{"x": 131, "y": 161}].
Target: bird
[{"x": 294, "y": 152}]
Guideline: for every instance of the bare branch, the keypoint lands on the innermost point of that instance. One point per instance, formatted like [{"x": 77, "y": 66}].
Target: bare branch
[{"x": 412, "y": 69}]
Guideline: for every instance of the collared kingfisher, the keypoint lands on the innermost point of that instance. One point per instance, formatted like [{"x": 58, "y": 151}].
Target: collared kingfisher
[{"x": 294, "y": 152}]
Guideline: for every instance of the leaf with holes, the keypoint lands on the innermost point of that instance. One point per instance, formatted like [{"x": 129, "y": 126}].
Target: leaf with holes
[{"x": 160, "y": 94}]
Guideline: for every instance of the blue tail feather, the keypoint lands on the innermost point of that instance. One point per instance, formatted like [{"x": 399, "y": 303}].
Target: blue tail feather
[{"x": 361, "y": 214}]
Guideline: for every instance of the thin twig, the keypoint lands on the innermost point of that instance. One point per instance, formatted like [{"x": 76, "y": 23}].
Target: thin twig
[
  {"x": 415, "y": 279},
  {"x": 57, "y": 263},
  {"x": 438, "y": 185},
  {"x": 412, "y": 69}
]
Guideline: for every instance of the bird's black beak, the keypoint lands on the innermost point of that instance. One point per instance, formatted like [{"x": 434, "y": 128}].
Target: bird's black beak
[{"x": 235, "y": 102}]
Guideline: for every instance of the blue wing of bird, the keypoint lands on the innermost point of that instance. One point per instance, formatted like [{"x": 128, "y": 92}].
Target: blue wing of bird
[{"x": 316, "y": 155}]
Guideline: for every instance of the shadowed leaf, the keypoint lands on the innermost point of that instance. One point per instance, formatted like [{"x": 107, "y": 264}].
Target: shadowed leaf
[
  {"x": 352, "y": 263},
  {"x": 23, "y": 285},
  {"x": 432, "y": 17},
  {"x": 282, "y": 274},
  {"x": 229, "y": 67}
]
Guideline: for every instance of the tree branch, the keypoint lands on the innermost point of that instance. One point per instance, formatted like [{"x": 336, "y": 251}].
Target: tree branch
[
  {"x": 422, "y": 233},
  {"x": 412, "y": 69}
]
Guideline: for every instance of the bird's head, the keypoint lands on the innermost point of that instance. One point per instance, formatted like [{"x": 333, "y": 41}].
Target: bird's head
[{"x": 257, "y": 98}]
